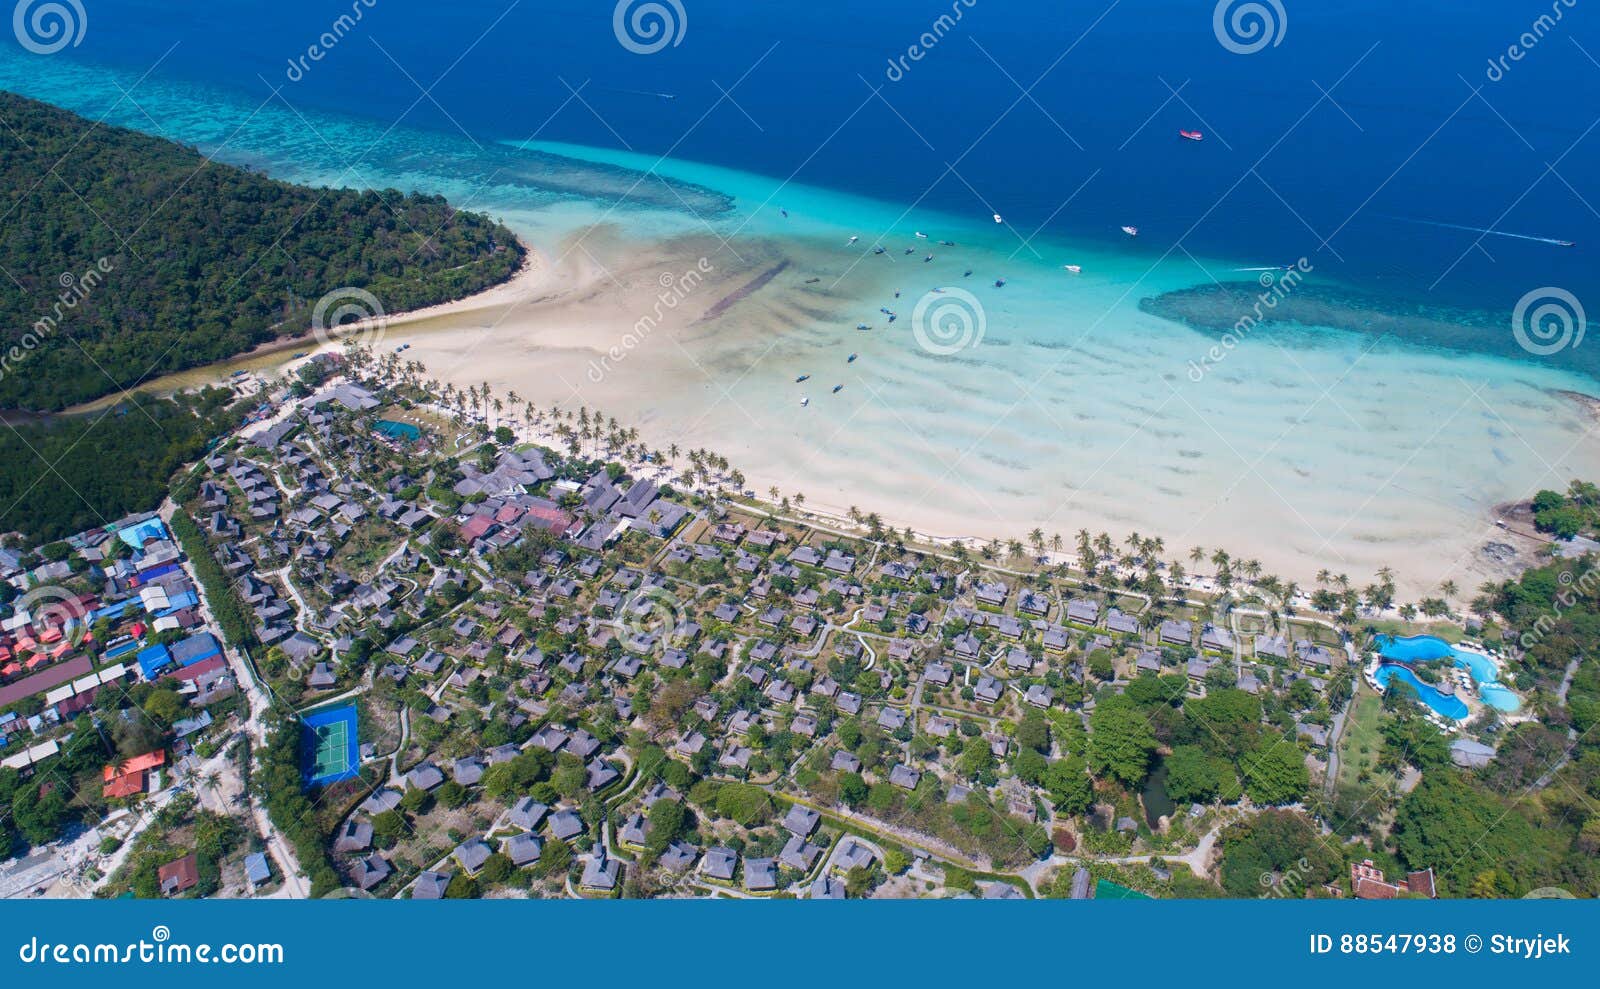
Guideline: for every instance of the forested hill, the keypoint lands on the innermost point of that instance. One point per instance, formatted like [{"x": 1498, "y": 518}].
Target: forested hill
[{"x": 183, "y": 261}]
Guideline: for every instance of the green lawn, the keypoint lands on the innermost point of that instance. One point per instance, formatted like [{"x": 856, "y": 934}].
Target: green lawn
[{"x": 1361, "y": 729}]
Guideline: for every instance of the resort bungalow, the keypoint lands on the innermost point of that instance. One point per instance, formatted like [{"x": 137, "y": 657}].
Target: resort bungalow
[
  {"x": 760, "y": 874},
  {"x": 1275, "y": 646},
  {"x": 1083, "y": 611},
  {"x": 426, "y": 776},
  {"x": 853, "y": 855},
  {"x": 600, "y": 871},
  {"x": 471, "y": 855},
  {"x": 991, "y": 593},
  {"x": 355, "y": 835},
  {"x": 1215, "y": 638},
  {"x": 431, "y": 885},
  {"x": 678, "y": 857},
  {"x": 1149, "y": 661},
  {"x": 904, "y": 777},
  {"x": 1312, "y": 654},
  {"x": 522, "y": 849},
  {"x": 565, "y": 825},
  {"x": 1177, "y": 632},
  {"x": 801, "y": 820},
  {"x": 719, "y": 863},
  {"x": 370, "y": 871},
  {"x": 1117, "y": 621},
  {"x": 1470, "y": 754},
  {"x": 798, "y": 854}
]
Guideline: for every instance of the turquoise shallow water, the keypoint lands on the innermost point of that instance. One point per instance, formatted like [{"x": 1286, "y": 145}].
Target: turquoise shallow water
[{"x": 1051, "y": 402}]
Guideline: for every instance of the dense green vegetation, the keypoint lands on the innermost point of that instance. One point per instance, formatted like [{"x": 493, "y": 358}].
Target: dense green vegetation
[
  {"x": 226, "y": 607},
  {"x": 137, "y": 257},
  {"x": 1526, "y": 821},
  {"x": 1566, "y": 515},
  {"x": 277, "y": 778},
  {"x": 73, "y": 473}
]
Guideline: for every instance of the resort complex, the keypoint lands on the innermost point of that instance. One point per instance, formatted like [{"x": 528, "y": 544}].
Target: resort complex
[
  {"x": 400, "y": 641},
  {"x": 686, "y": 450}
]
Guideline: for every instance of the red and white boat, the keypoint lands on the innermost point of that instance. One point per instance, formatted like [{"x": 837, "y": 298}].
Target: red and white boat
[
  {"x": 1076, "y": 269},
  {"x": 1191, "y": 135},
  {"x": 1131, "y": 231}
]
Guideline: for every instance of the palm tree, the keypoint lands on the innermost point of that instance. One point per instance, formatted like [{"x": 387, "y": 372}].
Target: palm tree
[
  {"x": 1197, "y": 553},
  {"x": 1448, "y": 588}
]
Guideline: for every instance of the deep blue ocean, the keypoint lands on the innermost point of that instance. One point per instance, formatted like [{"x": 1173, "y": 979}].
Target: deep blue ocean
[{"x": 1362, "y": 111}]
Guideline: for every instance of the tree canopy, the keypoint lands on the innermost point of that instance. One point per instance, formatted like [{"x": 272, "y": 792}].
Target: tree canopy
[{"x": 141, "y": 257}]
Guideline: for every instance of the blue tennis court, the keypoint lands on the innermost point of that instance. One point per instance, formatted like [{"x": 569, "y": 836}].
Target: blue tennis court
[{"x": 330, "y": 745}]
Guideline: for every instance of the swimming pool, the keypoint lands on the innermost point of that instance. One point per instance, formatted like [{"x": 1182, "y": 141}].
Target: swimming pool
[
  {"x": 1498, "y": 697},
  {"x": 1413, "y": 649},
  {"x": 1485, "y": 673},
  {"x": 398, "y": 430},
  {"x": 1447, "y": 705}
]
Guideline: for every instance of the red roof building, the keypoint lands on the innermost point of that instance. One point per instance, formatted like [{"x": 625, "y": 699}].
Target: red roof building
[
  {"x": 179, "y": 875},
  {"x": 1367, "y": 882},
  {"x": 550, "y": 519},
  {"x": 131, "y": 777}
]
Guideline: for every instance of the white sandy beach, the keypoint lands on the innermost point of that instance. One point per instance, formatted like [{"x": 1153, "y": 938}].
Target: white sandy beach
[{"x": 1104, "y": 433}]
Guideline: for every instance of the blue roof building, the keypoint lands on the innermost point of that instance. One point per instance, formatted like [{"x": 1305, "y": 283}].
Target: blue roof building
[
  {"x": 153, "y": 659},
  {"x": 137, "y": 535},
  {"x": 197, "y": 647}
]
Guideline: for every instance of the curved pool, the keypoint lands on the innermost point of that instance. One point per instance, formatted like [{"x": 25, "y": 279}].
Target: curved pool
[
  {"x": 1447, "y": 705},
  {"x": 1414, "y": 649},
  {"x": 1484, "y": 671}
]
